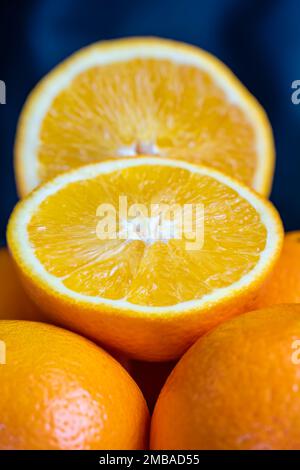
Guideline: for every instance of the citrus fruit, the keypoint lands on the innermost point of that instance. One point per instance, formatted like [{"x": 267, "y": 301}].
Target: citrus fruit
[
  {"x": 143, "y": 96},
  {"x": 283, "y": 285},
  {"x": 59, "y": 391},
  {"x": 15, "y": 304},
  {"x": 151, "y": 284},
  {"x": 237, "y": 388}
]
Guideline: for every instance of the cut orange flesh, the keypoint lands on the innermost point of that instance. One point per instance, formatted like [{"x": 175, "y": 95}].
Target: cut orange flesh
[
  {"x": 204, "y": 273},
  {"x": 143, "y": 96}
]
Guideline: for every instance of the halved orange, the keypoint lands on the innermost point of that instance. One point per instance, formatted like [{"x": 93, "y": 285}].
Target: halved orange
[
  {"x": 134, "y": 96},
  {"x": 147, "y": 293}
]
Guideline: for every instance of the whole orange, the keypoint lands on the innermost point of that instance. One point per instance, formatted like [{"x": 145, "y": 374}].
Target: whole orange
[
  {"x": 283, "y": 286},
  {"x": 238, "y": 387},
  {"x": 59, "y": 391},
  {"x": 14, "y": 302}
]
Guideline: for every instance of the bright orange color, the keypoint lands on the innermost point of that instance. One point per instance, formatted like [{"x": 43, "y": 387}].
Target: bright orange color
[
  {"x": 14, "y": 302},
  {"x": 143, "y": 96},
  {"x": 237, "y": 388},
  {"x": 283, "y": 286},
  {"x": 147, "y": 297},
  {"x": 61, "y": 392}
]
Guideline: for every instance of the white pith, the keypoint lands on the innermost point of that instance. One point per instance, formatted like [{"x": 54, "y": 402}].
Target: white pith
[
  {"x": 148, "y": 229},
  {"x": 25, "y": 251}
]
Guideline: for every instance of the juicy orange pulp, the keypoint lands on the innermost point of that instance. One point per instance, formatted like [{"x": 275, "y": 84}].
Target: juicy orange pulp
[
  {"x": 146, "y": 106},
  {"x": 62, "y": 231}
]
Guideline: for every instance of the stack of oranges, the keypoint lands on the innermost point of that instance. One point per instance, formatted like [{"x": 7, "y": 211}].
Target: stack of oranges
[{"x": 96, "y": 279}]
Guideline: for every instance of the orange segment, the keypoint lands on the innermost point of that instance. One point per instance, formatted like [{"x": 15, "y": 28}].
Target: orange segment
[
  {"x": 221, "y": 257},
  {"x": 131, "y": 97}
]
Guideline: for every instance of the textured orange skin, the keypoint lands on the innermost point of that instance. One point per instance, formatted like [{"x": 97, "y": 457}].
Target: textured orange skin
[
  {"x": 236, "y": 388},
  {"x": 61, "y": 392},
  {"x": 14, "y": 302},
  {"x": 148, "y": 337},
  {"x": 283, "y": 286}
]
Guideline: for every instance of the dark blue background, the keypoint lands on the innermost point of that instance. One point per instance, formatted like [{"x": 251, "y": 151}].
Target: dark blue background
[{"x": 258, "y": 39}]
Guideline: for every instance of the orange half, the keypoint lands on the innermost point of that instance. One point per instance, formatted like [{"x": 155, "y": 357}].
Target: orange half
[
  {"x": 152, "y": 289},
  {"x": 130, "y": 97}
]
